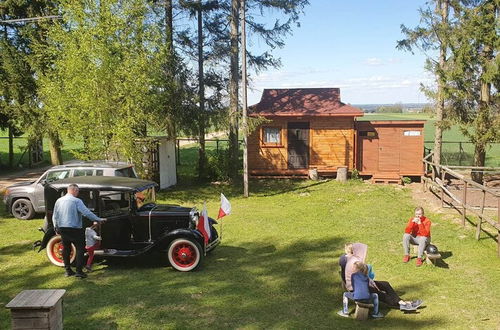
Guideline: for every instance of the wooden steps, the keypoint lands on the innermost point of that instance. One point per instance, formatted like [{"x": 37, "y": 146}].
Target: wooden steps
[{"x": 386, "y": 178}]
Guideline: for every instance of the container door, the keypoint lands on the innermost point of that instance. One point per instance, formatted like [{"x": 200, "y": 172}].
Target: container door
[
  {"x": 298, "y": 145},
  {"x": 389, "y": 149},
  {"x": 368, "y": 141}
]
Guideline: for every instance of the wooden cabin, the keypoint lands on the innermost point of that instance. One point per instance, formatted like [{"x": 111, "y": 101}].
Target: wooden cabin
[
  {"x": 306, "y": 128},
  {"x": 389, "y": 150},
  {"x": 310, "y": 128}
]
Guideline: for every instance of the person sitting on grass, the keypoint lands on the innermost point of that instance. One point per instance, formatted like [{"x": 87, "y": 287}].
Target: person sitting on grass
[
  {"x": 386, "y": 293},
  {"x": 92, "y": 243},
  {"x": 361, "y": 291},
  {"x": 417, "y": 232}
]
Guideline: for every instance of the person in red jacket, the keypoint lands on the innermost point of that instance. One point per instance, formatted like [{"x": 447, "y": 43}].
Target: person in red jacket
[{"x": 417, "y": 232}]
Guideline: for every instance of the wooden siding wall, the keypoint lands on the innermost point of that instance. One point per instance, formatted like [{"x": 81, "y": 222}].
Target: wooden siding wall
[
  {"x": 331, "y": 144},
  {"x": 267, "y": 157}
]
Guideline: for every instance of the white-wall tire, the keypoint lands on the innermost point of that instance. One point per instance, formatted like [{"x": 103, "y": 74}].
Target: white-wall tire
[
  {"x": 185, "y": 254},
  {"x": 54, "y": 251}
]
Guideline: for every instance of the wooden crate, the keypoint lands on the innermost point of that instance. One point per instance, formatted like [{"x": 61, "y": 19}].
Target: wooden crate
[{"x": 37, "y": 309}]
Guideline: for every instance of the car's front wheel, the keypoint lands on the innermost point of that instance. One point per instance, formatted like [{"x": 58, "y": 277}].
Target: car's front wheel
[
  {"x": 54, "y": 251},
  {"x": 185, "y": 254},
  {"x": 23, "y": 209}
]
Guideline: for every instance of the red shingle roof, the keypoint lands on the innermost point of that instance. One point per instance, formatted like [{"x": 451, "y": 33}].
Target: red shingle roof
[{"x": 303, "y": 102}]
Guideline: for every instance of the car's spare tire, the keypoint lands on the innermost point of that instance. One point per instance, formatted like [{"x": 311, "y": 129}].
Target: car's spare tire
[
  {"x": 22, "y": 209},
  {"x": 54, "y": 251},
  {"x": 185, "y": 254}
]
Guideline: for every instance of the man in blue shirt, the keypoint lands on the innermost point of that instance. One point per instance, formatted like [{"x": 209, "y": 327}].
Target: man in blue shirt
[{"x": 67, "y": 219}]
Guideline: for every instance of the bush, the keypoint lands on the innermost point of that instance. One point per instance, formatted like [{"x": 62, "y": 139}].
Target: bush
[
  {"x": 218, "y": 164},
  {"x": 355, "y": 175},
  {"x": 406, "y": 180}
]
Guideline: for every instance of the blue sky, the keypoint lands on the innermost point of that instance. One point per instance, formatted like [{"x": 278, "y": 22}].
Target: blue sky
[{"x": 350, "y": 45}]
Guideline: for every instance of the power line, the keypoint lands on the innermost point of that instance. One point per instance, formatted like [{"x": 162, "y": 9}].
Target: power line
[{"x": 30, "y": 19}]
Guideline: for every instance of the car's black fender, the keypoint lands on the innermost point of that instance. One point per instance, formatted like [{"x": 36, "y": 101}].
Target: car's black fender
[
  {"x": 164, "y": 240},
  {"x": 49, "y": 232}
]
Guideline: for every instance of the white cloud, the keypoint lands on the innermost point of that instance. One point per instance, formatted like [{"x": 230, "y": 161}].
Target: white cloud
[{"x": 373, "y": 61}]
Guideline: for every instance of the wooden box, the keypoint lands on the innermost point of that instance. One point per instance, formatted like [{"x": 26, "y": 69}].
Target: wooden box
[{"x": 37, "y": 309}]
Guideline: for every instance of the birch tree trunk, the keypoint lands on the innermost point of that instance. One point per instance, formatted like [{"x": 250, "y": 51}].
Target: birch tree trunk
[{"x": 442, "y": 9}]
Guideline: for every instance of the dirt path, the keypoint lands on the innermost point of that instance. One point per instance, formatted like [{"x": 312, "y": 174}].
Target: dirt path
[{"x": 21, "y": 176}]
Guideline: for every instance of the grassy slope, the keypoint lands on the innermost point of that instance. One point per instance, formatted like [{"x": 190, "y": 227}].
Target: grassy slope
[{"x": 277, "y": 266}]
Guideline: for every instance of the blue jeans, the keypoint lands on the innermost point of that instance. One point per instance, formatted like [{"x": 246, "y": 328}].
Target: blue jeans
[{"x": 350, "y": 295}]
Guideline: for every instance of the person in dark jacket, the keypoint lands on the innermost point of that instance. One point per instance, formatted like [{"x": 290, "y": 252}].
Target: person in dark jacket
[{"x": 361, "y": 291}]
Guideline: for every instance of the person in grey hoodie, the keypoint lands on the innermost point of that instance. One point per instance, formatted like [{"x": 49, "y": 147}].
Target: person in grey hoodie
[{"x": 384, "y": 289}]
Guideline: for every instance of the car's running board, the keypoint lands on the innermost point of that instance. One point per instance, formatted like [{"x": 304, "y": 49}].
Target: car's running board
[{"x": 121, "y": 253}]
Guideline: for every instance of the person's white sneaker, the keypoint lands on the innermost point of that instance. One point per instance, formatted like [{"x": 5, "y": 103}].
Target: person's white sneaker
[{"x": 341, "y": 313}]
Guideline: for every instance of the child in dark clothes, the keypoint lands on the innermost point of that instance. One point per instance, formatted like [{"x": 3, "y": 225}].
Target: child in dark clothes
[{"x": 361, "y": 291}]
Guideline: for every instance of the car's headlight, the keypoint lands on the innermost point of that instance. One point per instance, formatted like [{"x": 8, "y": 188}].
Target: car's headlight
[{"x": 194, "y": 217}]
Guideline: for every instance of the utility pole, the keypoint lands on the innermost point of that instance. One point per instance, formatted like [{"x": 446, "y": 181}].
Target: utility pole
[{"x": 244, "y": 96}]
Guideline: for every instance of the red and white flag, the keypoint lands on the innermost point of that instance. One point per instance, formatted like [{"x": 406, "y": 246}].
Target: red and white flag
[
  {"x": 225, "y": 207},
  {"x": 204, "y": 225}
]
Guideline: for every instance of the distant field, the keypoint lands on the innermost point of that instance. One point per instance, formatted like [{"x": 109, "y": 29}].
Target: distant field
[{"x": 453, "y": 139}]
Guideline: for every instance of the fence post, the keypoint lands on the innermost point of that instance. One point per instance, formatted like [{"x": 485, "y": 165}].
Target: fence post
[
  {"x": 498, "y": 237},
  {"x": 178, "y": 151},
  {"x": 464, "y": 202},
  {"x": 217, "y": 142},
  {"x": 460, "y": 154},
  {"x": 442, "y": 190},
  {"x": 479, "y": 222}
]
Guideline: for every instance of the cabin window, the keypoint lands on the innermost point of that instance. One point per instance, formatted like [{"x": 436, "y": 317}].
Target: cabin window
[
  {"x": 368, "y": 133},
  {"x": 272, "y": 135},
  {"x": 411, "y": 133}
]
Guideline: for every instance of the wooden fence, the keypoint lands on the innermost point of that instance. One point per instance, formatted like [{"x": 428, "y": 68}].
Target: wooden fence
[
  {"x": 180, "y": 142},
  {"x": 437, "y": 176}
]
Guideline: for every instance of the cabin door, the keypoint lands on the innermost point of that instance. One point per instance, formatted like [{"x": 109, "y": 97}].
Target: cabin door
[
  {"x": 368, "y": 150},
  {"x": 298, "y": 145},
  {"x": 389, "y": 149}
]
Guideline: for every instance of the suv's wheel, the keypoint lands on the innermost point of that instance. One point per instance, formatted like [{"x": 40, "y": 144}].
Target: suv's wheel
[
  {"x": 185, "y": 254},
  {"x": 22, "y": 209},
  {"x": 55, "y": 249}
]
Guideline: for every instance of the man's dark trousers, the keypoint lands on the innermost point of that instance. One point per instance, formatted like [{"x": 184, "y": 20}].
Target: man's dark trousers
[{"x": 77, "y": 237}]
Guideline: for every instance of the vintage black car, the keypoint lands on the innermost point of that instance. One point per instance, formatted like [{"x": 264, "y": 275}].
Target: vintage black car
[{"x": 135, "y": 223}]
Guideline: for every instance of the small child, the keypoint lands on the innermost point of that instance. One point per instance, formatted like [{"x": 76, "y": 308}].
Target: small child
[
  {"x": 92, "y": 243},
  {"x": 361, "y": 291}
]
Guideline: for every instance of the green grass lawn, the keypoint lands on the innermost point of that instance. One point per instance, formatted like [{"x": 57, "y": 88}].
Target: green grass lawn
[
  {"x": 21, "y": 158},
  {"x": 276, "y": 266}
]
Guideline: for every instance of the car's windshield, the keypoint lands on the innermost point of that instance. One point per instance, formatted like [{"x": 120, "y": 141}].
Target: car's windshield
[
  {"x": 57, "y": 175},
  {"x": 114, "y": 203},
  {"x": 126, "y": 172},
  {"x": 145, "y": 197}
]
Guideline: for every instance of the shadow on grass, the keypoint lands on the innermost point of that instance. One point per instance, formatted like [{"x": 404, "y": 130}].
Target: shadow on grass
[{"x": 257, "y": 285}]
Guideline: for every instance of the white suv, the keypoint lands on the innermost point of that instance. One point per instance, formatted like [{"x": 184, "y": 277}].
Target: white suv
[{"x": 26, "y": 199}]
